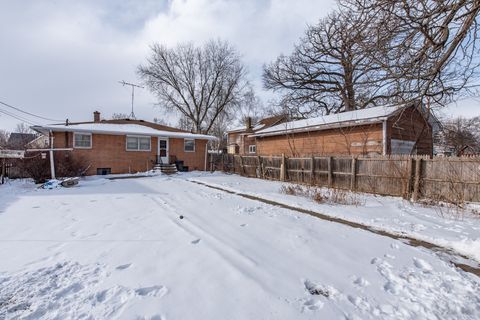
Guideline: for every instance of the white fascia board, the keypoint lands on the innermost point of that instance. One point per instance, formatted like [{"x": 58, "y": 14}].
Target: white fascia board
[{"x": 150, "y": 132}]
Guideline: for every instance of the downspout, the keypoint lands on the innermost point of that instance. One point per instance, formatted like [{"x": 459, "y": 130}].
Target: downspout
[{"x": 384, "y": 137}]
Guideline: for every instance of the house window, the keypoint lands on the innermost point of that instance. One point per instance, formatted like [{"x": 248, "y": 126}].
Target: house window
[
  {"x": 189, "y": 145},
  {"x": 252, "y": 148},
  {"x": 82, "y": 140},
  {"x": 138, "y": 143}
]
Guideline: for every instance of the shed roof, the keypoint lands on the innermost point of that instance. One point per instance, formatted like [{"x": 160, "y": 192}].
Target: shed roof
[{"x": 349, "y": 118}]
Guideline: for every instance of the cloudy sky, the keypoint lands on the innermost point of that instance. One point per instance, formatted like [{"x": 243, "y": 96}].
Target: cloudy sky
[{"x": 63, "y": 59}]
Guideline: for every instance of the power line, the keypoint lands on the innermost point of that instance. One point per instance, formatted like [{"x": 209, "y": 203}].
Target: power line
[
  {"x": 17, "y": 117},
  {"x": 29, "y": 113}
]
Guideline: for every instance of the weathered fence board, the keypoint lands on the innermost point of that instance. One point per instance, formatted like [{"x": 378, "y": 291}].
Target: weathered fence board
[{"x": 448, "y": 179}]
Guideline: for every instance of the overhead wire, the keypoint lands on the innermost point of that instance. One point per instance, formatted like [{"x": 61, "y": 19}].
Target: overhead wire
[
  {"x": 29, "y": 113},
  {"x": 20, "y": 118}
]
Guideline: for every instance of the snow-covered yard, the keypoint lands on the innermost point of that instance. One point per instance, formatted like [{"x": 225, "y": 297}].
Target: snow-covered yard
[
  {"x": 118, "y": 249},
  {"x": 446, "y": 227}
]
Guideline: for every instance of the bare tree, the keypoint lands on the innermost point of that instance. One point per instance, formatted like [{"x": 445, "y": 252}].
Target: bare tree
[
  {"x": 120, "y": 116},
  {"x": 198, "y": 82},
  {"x": 459, "y": 134},
  {"x": 4, "y": 135},
  {"x": 329, "y": 70},
  {"x": 427, "y": 48},
  {"x": 23, "y": 128},
  {"x": 250, "y": 106}
]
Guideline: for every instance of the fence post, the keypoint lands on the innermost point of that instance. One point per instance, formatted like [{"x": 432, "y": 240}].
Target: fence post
[
  {"x": 330, "y": 175},
  {"x": 3, "y": 171},
  {"x": 259, "y": 167},
  {"x": 418, "y": 172},
  {"x": 312, "y": 173},
  {"x": 241, "y": 164},
  {"x": 409, "y": 178},
  {"x": 353, "y": 180},
  {"x": 283, "y": 168}
]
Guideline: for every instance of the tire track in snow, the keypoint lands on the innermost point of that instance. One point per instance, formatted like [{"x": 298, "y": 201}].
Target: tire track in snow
[{"x": 453, "y": 257}]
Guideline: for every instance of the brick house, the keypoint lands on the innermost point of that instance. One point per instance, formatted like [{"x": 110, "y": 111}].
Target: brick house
[
  {"x": 383, "y": 130},
  {"x": 240, "y": 141},
  {"x": 128, "y": 146}
]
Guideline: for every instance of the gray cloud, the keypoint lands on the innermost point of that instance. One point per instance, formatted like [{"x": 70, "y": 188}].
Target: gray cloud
[{"x": 62, "y": 59}]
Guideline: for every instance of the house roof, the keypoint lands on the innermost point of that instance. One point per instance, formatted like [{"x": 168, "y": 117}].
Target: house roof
[
  {"x": 118, "y": 127},
  {"x": 349, "y": 118},
  {"x": 262, "y": 124},
  {"x": 133, "y": 121},
  {"x": 20, "y": 139}
]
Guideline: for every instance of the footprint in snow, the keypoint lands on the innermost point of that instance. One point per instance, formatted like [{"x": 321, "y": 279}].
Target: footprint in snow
[
  {"x": 243, "y": 225},
  {"x": 360, "y": 282},
  {"x": 422, "y": 265},
  {"x": 153, "y": 291},
  {"x": 123, "y": 266},
  {"x": 312, "y": 305},
  {"x": 195, "y": 241},
  {"x": 36, "y": 207},
  {"x": 394, "y": 246}
]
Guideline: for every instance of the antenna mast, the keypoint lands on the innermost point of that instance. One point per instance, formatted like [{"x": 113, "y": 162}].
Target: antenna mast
[{"x": 132, "y": 114}]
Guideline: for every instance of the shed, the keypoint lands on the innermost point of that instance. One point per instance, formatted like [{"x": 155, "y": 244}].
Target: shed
[{"x": 382, "y": 130}]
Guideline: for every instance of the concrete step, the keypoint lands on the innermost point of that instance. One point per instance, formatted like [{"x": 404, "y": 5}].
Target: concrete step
[{"x": 166, "y": 168}]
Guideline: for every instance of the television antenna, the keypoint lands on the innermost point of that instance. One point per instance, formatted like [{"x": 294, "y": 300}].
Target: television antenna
[{"x": 124, "y": 83}]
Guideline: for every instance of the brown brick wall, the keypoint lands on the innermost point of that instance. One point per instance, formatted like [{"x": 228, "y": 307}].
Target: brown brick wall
[
  {"x": 194, "y": 160},
  {"x": 353, "y": 140},
  {"x": 109, "y": 151}
]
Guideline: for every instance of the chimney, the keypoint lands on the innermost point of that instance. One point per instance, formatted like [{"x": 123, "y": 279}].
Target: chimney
[
  {"x": 248, "y": 123},
  {"x": 96, "y": 116}
]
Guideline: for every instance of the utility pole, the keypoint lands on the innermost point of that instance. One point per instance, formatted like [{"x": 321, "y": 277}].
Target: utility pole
[{"x": 132, "y": 114}]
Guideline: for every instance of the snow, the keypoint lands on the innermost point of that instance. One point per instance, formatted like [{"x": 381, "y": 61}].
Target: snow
[
  {"x": 374, "y": 114},
  {"x": 121, "y": 129},
  {"x": 445, "y": 227},
  {"x": 117, "y": 249}
]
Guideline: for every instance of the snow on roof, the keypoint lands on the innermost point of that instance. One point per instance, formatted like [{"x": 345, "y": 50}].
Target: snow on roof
[
  {"x": 121, "y": 129},
  {"x": 374, "y": 114}
]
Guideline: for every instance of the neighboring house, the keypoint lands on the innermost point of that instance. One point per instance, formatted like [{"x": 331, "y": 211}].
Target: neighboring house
[
  {"x": 127, "y": 146},
  {"x": 40, "y": 142},
  {"x": 240, "y": 140},
  {"x": 20, "y": 140},
  {"x": 383, "y": 130}
]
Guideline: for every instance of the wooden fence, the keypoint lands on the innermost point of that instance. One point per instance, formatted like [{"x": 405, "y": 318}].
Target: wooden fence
[{"x": 439, "y": 178}]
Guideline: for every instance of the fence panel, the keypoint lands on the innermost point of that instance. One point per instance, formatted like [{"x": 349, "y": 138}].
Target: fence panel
[
  {"x": 271, "y": 167},
  {"x": 447, "y": 179},
  {"x": 299, "y": 169}
]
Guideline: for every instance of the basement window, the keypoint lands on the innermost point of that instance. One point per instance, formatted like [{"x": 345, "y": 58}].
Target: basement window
[
  {"x": 104, "y": 171},
  {"x": 252, "y": 148},
  {"x": 82, "y": 140},
  {"x": 138, "y": 143},
  {"x": 189, "y": 145}
]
